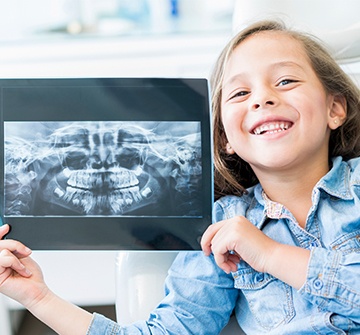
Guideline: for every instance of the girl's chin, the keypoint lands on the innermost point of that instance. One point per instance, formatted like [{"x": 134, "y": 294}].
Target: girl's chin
[{"x": 275, "y": 162}]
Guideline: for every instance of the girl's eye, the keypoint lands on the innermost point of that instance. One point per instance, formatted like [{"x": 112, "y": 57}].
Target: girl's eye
[
  {"x": 239, "y": 94},
  {"x": 286, "y": 82}
]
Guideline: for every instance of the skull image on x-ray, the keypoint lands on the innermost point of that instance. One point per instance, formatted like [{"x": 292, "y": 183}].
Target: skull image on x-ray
[{"x": 102, "y": 168}]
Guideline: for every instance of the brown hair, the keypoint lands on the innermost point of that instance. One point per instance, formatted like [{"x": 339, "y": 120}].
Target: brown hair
[{"x": 232, "y": 174}]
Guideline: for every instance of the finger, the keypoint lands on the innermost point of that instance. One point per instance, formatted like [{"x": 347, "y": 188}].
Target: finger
[
  {"x": 222, "y": 262},
  {"x": 15, "y": 247},
  {"x": 227, "y": 262},
  {"x": 206, "y": 239},
  {"x": 8, "y": 260},
  {"x": 234, "y": 258},
  {"x": 4, "y": 229}
]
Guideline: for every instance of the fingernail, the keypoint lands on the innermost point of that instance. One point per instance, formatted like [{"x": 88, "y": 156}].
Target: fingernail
[{"x": 26, "y": 270}]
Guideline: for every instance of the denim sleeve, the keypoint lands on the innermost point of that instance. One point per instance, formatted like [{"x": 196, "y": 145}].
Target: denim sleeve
[
  {"x": 200, "y": 298},
  {"x": 333, "y": 282},
  {"x": 100, "y": 325}
]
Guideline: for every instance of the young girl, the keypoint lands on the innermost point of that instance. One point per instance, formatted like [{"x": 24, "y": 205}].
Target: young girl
[{"x": 284, "y": 251}]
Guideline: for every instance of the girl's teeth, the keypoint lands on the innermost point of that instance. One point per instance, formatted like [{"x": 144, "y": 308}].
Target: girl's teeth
[{"x": 271, "y": 128}]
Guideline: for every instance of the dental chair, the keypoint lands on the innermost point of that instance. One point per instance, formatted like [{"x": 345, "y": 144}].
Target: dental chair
[
  {"x": 140, "y": 275},
  {"x": 5, "y": 327},
  {"x": 335, "y": 22}
]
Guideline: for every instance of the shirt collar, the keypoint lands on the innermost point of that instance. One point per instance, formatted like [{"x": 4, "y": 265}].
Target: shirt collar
[{"x": 336, "y": 183}]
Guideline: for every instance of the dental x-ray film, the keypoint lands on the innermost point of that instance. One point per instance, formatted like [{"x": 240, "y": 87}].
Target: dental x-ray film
[{"x": 106, "y": 163}]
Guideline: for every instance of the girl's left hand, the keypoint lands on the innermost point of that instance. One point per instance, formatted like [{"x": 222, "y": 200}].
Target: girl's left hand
[{"x": 234, "y": 239}]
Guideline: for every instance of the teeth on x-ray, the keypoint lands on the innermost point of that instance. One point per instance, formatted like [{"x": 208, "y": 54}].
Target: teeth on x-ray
[{"x": 96, "y": 168}]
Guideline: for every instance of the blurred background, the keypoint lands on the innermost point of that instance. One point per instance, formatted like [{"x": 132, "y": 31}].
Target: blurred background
[
  {"x": 112, "y": 38},
  {"x": 153, "y": 38}
]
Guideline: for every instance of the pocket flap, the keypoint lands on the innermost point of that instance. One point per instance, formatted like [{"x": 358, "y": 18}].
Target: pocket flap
[{"x": 249, "y": 279}]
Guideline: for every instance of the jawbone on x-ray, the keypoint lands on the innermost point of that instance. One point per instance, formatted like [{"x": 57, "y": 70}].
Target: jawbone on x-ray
[{"x": 102, "y": 168}]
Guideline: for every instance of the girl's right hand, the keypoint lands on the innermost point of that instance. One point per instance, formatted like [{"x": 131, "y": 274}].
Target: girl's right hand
[{"x": 20, "y": 277}]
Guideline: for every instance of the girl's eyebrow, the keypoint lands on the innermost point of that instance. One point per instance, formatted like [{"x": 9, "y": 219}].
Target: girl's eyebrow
[
  {"x": 275, "y": 66},
  {"x": 232, "y": 79},
  {"x": 289, "y": 64}
]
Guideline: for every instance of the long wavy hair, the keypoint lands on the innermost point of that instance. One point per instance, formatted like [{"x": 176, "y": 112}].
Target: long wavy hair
[{"x": 232, "y": 174}]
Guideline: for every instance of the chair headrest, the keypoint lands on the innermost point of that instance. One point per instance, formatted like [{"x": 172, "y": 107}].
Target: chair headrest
[{"x": 335, "y": 22}]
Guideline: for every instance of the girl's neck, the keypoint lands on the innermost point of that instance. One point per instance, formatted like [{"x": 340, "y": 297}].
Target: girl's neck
[
  {"x": 295, "y": 197},
  {"x": 293, "y": 190}
]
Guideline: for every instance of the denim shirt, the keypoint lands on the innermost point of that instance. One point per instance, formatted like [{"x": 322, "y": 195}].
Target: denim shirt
[{"x": 200, "y": 297}]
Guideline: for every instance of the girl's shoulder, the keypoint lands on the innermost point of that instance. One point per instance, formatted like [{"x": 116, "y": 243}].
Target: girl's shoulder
[
  {"x": 345, "y": 168},
  {"x": 343, "y": 180},
  {"x": 354, "y": 165},
  {"x": 354, "y": 171}
]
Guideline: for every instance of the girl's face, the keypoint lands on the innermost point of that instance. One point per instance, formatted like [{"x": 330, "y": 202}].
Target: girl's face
[{"x": 275, "y": 111}]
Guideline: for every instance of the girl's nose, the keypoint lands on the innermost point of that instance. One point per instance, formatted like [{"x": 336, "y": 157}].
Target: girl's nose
[
  {"x": 265, "y": 104},
  {"x": 264, "y": 99}
]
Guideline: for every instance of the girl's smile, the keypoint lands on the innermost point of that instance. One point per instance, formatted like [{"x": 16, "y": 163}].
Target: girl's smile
[{"x": 268, "y": 126}]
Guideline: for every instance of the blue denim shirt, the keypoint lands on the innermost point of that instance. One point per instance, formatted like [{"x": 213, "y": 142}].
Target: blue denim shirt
[{"x": 200, "y": 297}]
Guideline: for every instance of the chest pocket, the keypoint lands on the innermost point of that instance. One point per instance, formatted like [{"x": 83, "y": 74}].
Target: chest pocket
[
  {"x": 347, "y": 243},
  {"x": 269, "y": 299}
]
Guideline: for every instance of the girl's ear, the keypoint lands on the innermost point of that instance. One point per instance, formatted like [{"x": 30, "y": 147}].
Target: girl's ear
[
  {"x": 229, "y": 149},
  {"x": 226, "y": 145},
  {"x": 337, "y": 114}
]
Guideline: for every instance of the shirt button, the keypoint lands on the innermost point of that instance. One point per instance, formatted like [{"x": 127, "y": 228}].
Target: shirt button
[{"x": 318, "y": 284}]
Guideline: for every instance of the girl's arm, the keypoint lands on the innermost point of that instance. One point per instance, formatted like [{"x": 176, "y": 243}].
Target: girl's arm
[
  {"x": 237, "y": 238},
  {"x": 63, "y": 317},
  {"x": 21, "y": 279}
]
